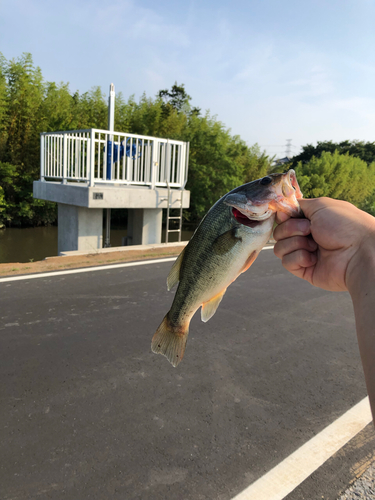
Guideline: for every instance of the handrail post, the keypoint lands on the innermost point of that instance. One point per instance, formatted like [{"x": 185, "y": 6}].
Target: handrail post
[
  {"x": 91, "y": 161},
  {"x": 42, "y": 154},
  {"x": 168, "y": 161},
  {"x": 65, "y": 158},
  {"x": 186, "y": 163},
  {"x": 154, "y": 165}
]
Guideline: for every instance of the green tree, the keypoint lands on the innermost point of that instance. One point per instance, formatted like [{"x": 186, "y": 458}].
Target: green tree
[
  {"x": 25, "y": 95},
  {"x": 177, "y": 99},
  {"x": 257, "y": 163},
  {"x": 91, "y": 110},
  {"x": 59, "y": 108},
  {"x": 29, "y": 106},
  {"x": 338, "y": 176},
  {"x": 3, "y": 105},
  {"x": 217, "y": 162},
  {"x": 363, "y": 150},
  {"x": 20, "y": 147}
]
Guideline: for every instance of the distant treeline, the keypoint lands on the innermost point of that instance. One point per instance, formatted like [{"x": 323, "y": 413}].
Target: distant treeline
[
  {"x": 344, "y": 170},
  {"x": 29, "y": 105},
  {"x": 218, "y": 161}
]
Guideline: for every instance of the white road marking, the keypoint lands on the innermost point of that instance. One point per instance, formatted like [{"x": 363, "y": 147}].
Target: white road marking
[
  {"x": 90, "y": 269},
  {"x": 85, "y": 269},
  {"x": 291, "y": 472}
]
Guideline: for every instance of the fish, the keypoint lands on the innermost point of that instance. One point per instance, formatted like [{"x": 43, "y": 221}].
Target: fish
[{"x": 225, "y": 244}]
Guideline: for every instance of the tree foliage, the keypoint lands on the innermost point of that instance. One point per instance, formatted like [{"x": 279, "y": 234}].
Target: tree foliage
[
  {"x": 363, "y": 150},
  {"x": 339, "y": 176},
  {"x": 218, "y": 162},
  {"x": 29, "y": 106}
]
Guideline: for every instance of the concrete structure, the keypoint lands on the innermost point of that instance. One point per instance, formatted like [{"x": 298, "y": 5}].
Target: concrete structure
[
  {"x": 80, "y": 211},
  {"x": 86, "y": 171},
  {"x": 79, "y": 228}
]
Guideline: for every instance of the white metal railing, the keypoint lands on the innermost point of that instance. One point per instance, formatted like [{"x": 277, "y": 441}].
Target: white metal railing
[{"x": 99, "y": 156}]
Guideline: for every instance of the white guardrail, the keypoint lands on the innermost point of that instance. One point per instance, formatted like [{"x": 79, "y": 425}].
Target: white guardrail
[{"x": 100, "y": 156}]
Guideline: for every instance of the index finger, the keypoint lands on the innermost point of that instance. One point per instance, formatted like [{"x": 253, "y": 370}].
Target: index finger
[
  {"x": 281, "y": 217},
  {"x": 292, "y": 227}
]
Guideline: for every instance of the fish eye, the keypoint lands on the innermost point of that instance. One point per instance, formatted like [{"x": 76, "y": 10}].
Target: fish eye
[{"x": 266, "y": 180}]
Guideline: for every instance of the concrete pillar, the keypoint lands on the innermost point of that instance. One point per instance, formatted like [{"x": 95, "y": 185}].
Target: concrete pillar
[
  {"x": 144, "y": 226},
  {"x": 79, "y": 228}
]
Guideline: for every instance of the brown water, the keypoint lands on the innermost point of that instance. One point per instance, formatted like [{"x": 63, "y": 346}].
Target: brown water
[{"x": 37, "y": 243}]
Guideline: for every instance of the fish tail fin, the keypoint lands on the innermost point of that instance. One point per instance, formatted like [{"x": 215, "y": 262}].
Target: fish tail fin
[{"x": 170, "y": 341}]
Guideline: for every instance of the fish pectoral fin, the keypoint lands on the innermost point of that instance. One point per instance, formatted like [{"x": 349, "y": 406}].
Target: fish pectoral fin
[
  {"x": 174, "y": 273},
  {"x": 249, "y": 261},
  {"x": 226, "y": 241},
  {"x": 209, "y": 308}
]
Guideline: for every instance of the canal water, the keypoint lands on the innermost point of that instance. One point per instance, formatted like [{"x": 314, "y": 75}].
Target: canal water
[{"x": 37, "y": 243}]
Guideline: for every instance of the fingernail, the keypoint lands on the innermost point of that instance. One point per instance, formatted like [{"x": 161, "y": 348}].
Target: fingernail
[{"x": 303, "y": 225}]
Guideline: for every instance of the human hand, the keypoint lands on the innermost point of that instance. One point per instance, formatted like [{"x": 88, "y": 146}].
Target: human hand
[{"x": 325, "y": 248}]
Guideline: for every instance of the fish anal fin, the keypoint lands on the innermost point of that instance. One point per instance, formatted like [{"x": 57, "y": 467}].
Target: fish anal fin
[
  {"x": 170, "y": 341},
  {"x": 249, "y": 261},
  {"x": 174, "y": 273},
  {"x": 226, "y": 241},
  {"x": 209, "y": 308}
]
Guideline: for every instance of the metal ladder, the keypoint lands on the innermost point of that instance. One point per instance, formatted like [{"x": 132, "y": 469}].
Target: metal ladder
[{"x": 178, "y": 217}]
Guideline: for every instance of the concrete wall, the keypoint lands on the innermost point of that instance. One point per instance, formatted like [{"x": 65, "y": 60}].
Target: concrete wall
[
  {"x": 144, "y": 226},
  {"x": 108, "y": 196},
  {"x": 80, "y": 211},
  {"x": 79, "y": 228}
]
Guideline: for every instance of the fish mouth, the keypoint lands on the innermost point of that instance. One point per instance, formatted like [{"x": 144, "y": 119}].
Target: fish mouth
[
  {"x": 287, "y": 200},
  {"x": 244, "y": 219},
  {"x": 292, "y": 180},
  {"x": 256, "y": 202}
]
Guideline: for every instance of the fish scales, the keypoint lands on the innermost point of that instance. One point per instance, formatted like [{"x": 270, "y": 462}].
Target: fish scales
[
  {"x": 201, "y": 273},
  {"x": 225, "y": 244}
]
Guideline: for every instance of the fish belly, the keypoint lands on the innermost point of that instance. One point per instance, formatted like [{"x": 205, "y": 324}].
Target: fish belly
[{"x": 219, "y": 272}]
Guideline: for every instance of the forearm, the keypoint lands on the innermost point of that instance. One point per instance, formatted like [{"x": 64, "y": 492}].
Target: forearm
[{"x": 361, "y": 285}]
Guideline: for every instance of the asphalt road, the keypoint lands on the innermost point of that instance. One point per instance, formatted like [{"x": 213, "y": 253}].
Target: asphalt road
[{"x": 88, "y": 412}]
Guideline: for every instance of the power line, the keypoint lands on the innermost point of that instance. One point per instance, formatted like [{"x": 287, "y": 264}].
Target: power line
[{"x": 288, "y": 147}]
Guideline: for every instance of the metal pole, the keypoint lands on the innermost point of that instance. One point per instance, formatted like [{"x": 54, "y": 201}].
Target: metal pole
[
  {"x": 168, "y": 206},
  {"x": 111, "y": 109},
  {"x": 65, "y": 158},
  {"x": 111, "y": 125},
  {"x": 42, "y": 157},
  {"x": 111, "y": 128},
  {"x": 107, "y": 241},
  {"x": 91, "y": 160},
  {"x": 180, "y": 222}
]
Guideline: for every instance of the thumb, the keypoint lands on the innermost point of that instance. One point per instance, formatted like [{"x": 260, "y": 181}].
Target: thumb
[{"x": 312, "y": 205}]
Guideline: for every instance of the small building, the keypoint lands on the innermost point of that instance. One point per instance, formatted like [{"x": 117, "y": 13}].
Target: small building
[
  {"x": 86, "y": 171},
  {"x": 282, "y": 161}
]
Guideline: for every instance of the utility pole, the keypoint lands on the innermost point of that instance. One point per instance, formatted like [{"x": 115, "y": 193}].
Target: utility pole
[{"x": 288, "y": 148}]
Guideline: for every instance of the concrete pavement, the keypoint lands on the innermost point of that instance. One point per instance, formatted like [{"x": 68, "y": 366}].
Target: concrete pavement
[{"x": 89, "y": 412}]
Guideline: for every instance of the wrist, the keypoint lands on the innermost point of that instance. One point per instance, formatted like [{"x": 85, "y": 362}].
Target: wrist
[{"x": 360, "y": 273}]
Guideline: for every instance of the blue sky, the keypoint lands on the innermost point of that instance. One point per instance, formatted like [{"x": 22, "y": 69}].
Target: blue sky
[{"x": 270, "y": 70}]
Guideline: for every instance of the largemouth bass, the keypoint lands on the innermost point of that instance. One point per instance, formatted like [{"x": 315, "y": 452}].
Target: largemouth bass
[{"x": 225, "y": 244}]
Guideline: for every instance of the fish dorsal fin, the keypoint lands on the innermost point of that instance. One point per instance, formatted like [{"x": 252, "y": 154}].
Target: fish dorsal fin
[
  {"x": 209, "y": 308},
  {"x": 226, "y": 241},
  {"x": 174, "y": 273}
]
